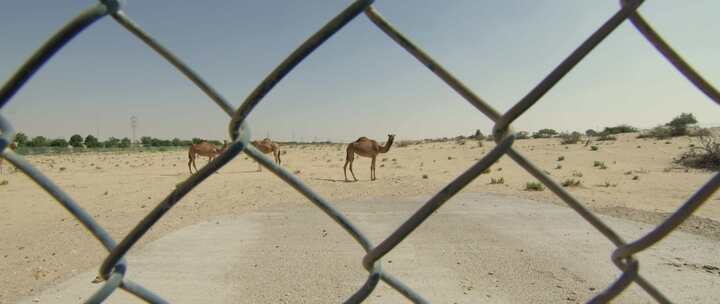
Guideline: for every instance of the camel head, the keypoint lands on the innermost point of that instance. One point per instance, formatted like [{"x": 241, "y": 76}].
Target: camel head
[
  {"x": 386, "y": 148},
  {"x": 224, "y": 147}
]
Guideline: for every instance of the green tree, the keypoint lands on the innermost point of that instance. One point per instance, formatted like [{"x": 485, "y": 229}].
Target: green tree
[
  {"x": 197, "y": 140},
  {"x": 146, "y": 141},
  {"x": 76, "y": 141},
  {"x": 478, "y": 135},
  {"x": 125, "y": 143},
  {"x": 619, "y": 129},
  {"x": 39, "y": 141},
  {"x": 176, "y": 142},
  {"x": 92, "y": 142},
  {"x": 679, "y": 124},
  {"x": 21, "y": 139},
  {"x": 59, "y": 142},
  {"x": 112, "y": 142},
  {"x": 591, "y": 132},
  {"x": 545, "y": 133}
]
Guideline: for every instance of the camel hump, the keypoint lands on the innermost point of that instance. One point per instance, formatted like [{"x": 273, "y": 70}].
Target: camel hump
[{"x": 363, "y": 138}]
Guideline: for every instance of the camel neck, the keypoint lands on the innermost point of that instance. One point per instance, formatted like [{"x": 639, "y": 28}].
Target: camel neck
[{"x": 387, "y": 145}]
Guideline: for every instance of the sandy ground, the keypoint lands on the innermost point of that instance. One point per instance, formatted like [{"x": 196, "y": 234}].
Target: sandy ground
[
  {"x": 478, "y": 248},
  {"x": 43, "y": 245}
]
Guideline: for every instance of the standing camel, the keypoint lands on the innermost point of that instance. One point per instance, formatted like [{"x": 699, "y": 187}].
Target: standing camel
[
  {"x": 204, "y": 149},
  {"x": 367, "y": 148},
  {"x": 11, "y": 146},
  {"x": 266, "y": 146}
]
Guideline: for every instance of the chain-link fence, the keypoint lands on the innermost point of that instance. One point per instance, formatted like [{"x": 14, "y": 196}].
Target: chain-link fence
[{"x": 114, "y": 267}]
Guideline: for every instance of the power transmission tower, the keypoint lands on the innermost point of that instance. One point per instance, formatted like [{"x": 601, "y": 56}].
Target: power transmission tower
[{"x": 133, "y": 125}]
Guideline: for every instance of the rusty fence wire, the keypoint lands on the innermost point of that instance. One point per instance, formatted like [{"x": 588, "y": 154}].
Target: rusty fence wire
[{"x": 114, "y": 267}]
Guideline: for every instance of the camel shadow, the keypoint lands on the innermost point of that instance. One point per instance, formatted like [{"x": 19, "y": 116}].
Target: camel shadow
[
  {"x": 333, "y": 180},
  {"x": 242, "y": 171}
]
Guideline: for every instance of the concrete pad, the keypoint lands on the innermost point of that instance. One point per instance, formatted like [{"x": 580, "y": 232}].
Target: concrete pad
[{"x": 477, "y": 248}]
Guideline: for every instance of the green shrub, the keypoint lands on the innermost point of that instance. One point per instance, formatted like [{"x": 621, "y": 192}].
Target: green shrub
[
  {"x": 534, "y": 186},
  {"x": 571, "y": 182},
  {"x": 498, "y": 181}
]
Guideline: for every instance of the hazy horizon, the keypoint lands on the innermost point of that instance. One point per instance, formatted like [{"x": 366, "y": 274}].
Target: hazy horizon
[{"x": 359, "y": 83}]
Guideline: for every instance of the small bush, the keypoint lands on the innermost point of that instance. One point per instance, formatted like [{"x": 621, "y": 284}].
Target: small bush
[
  {"x": 697, "y": 132},
  {"x": 534, "y": 186},
  {"x": 593, "y": 148},
  {"x": 570, "y": 138},
  {"x": 425, "y": 176},
  {"x": 498, "y": 181},
  {"x": 659, "y": 132},
  {"x": 606, "y": 137},
  {"x": 558, "y": 167},
  {"x": 599, "y": 164},
  {"x": 561, "y": 158},
  {"x": 704, "y": 155},
  {"x": 571, "y": 182},
  {"x": 607, "y": 185},
  {"x": 577, "y": 174}
]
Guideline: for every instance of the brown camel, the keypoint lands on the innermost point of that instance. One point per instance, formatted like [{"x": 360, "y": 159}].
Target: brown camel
[
  {"x": 11, "y": 146},
  {"x": 266, "y": 146},
  {"x": 367, "y": 148},
  {"x": 204, "y": 149}
]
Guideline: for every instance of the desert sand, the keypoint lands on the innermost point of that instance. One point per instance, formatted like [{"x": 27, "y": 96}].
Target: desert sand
[{"x": 44, "y": 245}]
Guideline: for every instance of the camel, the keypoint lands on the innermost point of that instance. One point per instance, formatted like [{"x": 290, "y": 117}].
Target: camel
[
  {"x": 367, "y": 148},
  {"x": 11, "y": 146},
  {"x": 204, "y": 149},
  {"x": 266, "y": 146}
]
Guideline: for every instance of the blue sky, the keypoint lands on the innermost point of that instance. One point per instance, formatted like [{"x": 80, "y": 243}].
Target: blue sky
[{"x": 360, "y": 83}]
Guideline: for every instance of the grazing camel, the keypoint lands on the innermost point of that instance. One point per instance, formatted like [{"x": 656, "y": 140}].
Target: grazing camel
[
  {"x": 266, "y": 146},
  {"x": 11, "y": 146},
  {"x": 367, "y": 148},
  {"x": 204, "y": 149}
]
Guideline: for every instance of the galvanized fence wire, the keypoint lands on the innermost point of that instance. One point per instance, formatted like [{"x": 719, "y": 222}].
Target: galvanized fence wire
[{"x": 114, "y": 268}]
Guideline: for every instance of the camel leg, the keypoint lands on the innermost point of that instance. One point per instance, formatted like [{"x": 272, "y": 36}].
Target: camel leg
[
  {"x": 345, "y": 169},
  {"x": 351, "y": 170},
  {"x": 372, "y": 169},
  {"x": 190, "y": 160},
  {"x": 194, "y": 165}
]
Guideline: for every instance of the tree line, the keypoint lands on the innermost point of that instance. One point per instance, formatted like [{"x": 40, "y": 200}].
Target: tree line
[{"x": 90, "y": 141}]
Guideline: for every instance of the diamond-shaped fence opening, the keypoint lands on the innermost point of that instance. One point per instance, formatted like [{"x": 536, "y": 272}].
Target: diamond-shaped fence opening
[{"x": 113, "y": 268}]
